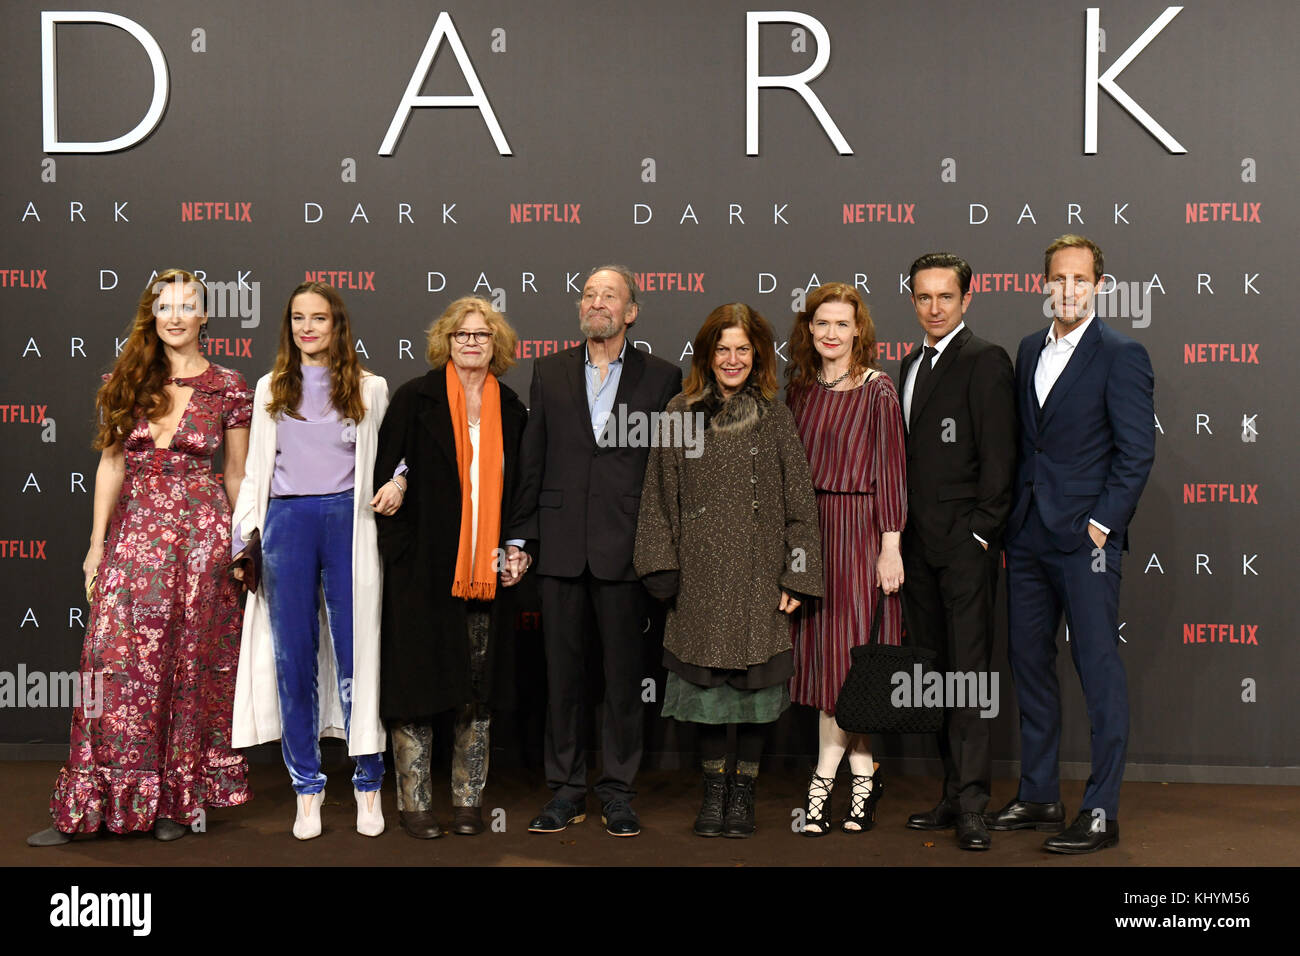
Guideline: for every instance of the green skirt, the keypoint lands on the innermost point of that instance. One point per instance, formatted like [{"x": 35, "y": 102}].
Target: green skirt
[{"x": 723, "y": 704}]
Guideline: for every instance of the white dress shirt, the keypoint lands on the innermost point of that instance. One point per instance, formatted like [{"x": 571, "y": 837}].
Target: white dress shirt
[
  {"x": 1054, "y": 357},
  {"x": 916, "y": 367},
  {"x": 1052, "y": 360}
]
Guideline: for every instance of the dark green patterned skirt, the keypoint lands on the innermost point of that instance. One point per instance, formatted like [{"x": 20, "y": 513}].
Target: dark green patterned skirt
[{"x": 723, "y": 704}]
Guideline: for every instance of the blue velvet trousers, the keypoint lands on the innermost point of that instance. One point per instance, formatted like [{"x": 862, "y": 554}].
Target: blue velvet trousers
[{"x": 307, "y": 551}]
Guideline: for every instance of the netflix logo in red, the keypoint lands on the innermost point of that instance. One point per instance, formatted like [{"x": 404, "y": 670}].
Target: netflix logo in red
[
  {"x": 536, "y": 348},
  {"x": 216, "y": 212},
  {"x": 23, "y": 414},
  {"x": 893, "y": 351},
  {"x": 570, "y": 212},
  {"x": 356, "y": 281},
  {"x": 1209, "y": 493},
  {"x": 1221, "y": 634},
  {"x": 1230, "y": 353},
  {"x": 1223, "y": 212},
  {"x": 23, "y": 278},
  {"x": 234, "y": 347},
  {"x": 23, "y": 550},
  {"x": 670, "y": 281},
  {"x": 900, "y": 212},
  {"x": 1006, "y": 282}
]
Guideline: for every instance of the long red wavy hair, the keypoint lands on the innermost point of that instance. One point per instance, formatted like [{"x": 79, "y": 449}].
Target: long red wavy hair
[
  {"x": 804, "y": 360},
  {"x": 137, "y": 384}
]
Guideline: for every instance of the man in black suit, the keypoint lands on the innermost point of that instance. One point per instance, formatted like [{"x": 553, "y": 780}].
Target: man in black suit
[
  {"x": 959, "y": 408},
  {"x": 1087, "y": 443},
  {"x": 582, "y": 493}
]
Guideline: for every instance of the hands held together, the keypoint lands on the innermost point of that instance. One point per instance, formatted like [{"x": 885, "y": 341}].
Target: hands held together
[
  {"x": 389, "y": 497},
  {"x": 516, "y": 563}
]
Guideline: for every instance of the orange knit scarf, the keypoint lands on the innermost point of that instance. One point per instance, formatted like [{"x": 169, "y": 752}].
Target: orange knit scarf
[{"x": 476, "y": 568}]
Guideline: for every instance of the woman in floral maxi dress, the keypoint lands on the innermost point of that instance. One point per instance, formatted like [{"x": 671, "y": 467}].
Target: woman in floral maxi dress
[{"x": 150, "y": 741}]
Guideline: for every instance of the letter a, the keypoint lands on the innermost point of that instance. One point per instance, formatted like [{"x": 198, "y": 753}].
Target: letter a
[{"x": 412, "y": 98}]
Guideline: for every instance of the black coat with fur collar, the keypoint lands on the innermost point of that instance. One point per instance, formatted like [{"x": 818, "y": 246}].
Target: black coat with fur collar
[{"x": 735, "y": 515}]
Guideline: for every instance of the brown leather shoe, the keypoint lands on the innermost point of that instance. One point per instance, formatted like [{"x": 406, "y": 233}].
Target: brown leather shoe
[
  {"x": 420, "y": 824},
  {"x": 468, "y": 821}
]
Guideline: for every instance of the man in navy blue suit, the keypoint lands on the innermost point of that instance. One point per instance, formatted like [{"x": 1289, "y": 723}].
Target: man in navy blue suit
[{"x": 1087, "y": 442}]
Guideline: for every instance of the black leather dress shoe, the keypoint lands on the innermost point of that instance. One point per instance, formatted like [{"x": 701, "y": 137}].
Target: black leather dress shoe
[
  {"x": 1022, "y": 815},
  {"x": 557, "y": 815},
  {"x": 971, "y": 833},
  {"x": 1086, "y": 834},
  {"x": 620, "y": 819},
  {"x": 420, "y": 824},
  {"x": 941, "y": 817}
]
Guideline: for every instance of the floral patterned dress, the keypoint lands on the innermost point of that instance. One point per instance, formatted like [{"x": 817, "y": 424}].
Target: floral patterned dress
[{"x": 151, "y": 738}]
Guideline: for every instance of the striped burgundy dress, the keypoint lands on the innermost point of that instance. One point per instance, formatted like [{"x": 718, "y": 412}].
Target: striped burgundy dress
[{"x": 854, "y": 441}]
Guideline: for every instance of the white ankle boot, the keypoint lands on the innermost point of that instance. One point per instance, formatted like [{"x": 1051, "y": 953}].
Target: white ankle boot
[
  {"x": 306, "y": 825},
  {"x": 369, "y": 822}
]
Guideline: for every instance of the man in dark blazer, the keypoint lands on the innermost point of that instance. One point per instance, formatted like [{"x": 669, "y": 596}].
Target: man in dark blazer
[
  {"x": 959, "y": 408},
  {"x": 582, "y": 495},
  {"x": 1087, "y": 442}
]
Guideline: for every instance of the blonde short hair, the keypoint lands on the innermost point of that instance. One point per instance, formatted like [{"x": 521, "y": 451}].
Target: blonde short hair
[{"x": 503, "y": 336}]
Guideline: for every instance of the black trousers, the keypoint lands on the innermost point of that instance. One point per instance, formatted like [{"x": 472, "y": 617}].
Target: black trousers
[
  {"x": 618, "y": 609},
  {"x": 948, "y": 607}
]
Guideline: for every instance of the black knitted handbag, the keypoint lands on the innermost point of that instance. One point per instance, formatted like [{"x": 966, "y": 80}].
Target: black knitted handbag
[{"x": 866, "y": 705}]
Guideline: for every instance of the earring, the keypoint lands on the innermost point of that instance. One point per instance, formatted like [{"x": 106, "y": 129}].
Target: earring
[{"x": 203, "y": 336}]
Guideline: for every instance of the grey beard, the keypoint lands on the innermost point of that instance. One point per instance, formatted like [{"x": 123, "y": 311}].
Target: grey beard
[{"x": 597, "y": 332}]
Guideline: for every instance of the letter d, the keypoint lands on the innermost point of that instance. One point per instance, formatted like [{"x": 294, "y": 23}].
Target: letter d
[{"x": 49, "y": 82}]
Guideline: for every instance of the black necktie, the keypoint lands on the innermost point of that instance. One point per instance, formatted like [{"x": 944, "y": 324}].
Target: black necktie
[{"x": 922, "y": 373}]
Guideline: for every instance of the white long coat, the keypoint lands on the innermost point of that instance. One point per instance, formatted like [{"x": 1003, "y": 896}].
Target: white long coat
[{"x": 257, "y": 702}]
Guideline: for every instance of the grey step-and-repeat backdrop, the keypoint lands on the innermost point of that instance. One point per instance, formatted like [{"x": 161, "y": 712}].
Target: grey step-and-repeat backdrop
[{"x": 724, "y": 151}]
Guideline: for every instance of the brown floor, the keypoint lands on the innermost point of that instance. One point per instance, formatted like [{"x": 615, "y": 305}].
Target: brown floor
[{"x": 1162, "y": 825}]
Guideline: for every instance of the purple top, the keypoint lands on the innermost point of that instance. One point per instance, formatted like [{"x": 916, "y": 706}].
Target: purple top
[{"x": 315, "y": 455}]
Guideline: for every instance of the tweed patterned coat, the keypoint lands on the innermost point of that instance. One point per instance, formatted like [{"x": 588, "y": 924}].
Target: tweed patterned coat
[{"x": 738, "y": 523}]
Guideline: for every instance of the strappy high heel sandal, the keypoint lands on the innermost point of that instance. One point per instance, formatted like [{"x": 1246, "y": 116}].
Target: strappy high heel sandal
[
  {"x": 817, "y": 808},
  {"x": 866, "y": 793}
]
